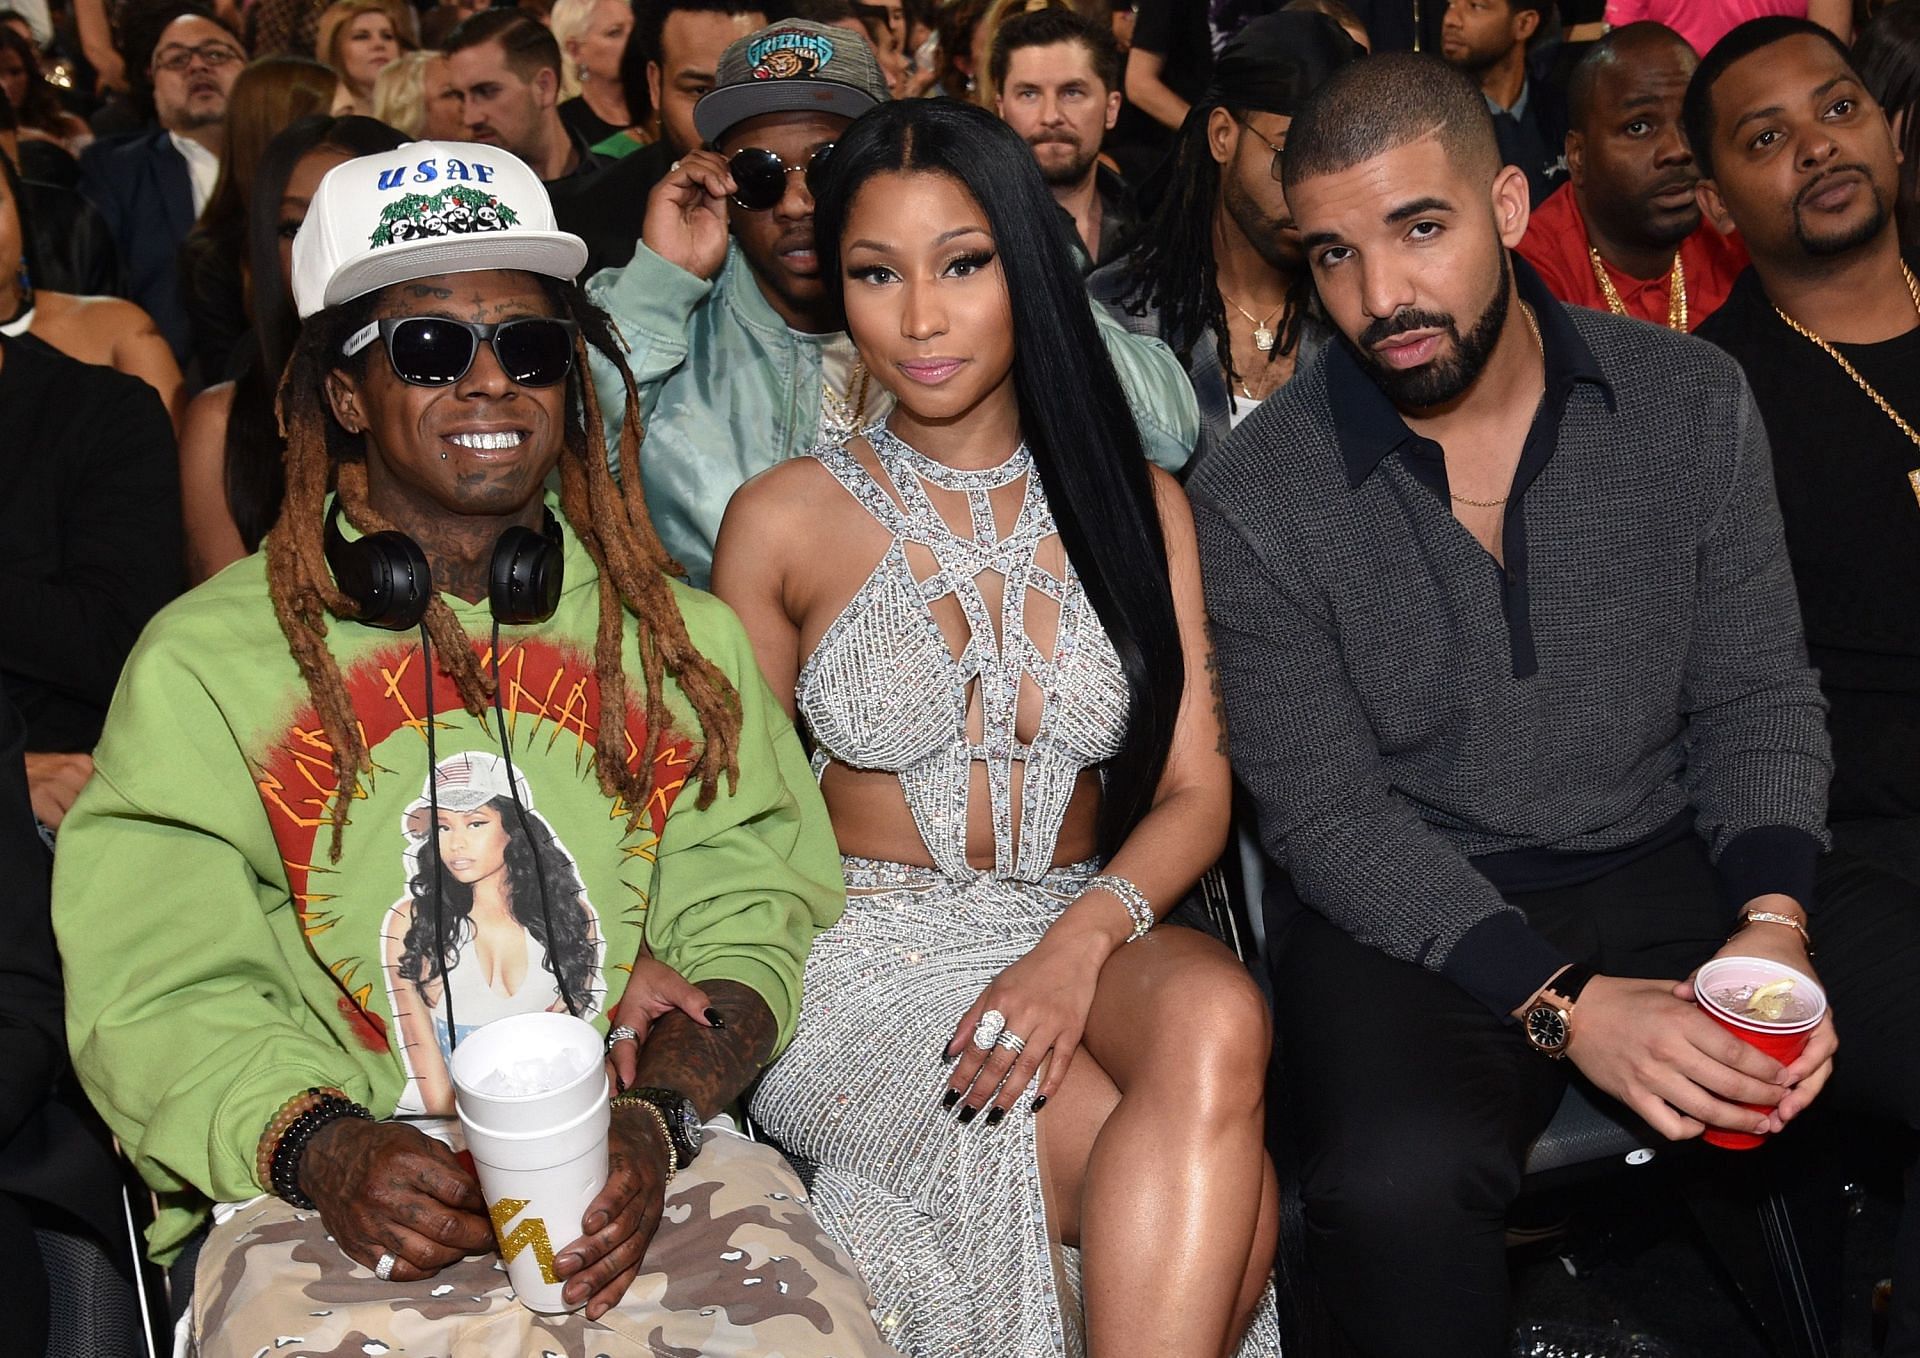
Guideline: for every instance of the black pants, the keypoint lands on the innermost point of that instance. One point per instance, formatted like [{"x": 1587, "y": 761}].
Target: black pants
[
  {"x": 23, "y": 1280},
  {"x": 1414, "y": 1106}
]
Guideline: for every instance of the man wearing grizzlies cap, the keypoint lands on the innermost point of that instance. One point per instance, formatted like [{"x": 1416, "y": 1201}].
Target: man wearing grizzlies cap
[
  {"x": 451, "y": 750},
  {"x": 740, "y": 356}
]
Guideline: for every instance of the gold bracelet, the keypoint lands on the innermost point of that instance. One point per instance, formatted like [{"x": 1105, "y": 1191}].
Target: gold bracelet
[
  {"x": 1769, "y": 917},
  {"x": 660, "y": 1121}
]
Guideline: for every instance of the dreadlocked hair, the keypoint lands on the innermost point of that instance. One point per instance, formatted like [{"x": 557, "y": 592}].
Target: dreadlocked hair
[
  {"x": 609, "y": 517},
  {"x": 1174, "y": 271}
]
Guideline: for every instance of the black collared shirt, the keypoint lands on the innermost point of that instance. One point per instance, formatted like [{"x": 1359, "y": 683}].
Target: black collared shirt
[{"x": 1370, "y": 429}]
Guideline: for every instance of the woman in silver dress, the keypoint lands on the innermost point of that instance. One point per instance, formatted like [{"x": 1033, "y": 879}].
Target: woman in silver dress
[{"x": 987, "y": 615}]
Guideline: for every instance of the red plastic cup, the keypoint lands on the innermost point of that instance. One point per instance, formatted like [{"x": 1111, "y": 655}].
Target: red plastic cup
[{"x": 1782, "y": 1041}]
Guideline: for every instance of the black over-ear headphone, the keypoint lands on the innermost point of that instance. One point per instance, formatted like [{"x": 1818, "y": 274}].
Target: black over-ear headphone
[{"x": 387, "y": 575}]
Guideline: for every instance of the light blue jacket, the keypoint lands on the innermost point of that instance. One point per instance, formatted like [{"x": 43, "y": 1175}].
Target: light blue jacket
[{"x": 727, "y": 390}]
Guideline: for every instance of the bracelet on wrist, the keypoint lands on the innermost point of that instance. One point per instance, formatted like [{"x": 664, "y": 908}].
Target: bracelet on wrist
[
  {"x": 283, "y": 1164},
  {"x": 1774, "y": 917},
  {"x": 660, "y": 1121},
  {"x": 1139, "y": 909},
  {"x": 282, "y": 1119}
]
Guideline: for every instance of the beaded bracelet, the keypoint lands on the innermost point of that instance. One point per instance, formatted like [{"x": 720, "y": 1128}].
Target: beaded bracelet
[
  {"x": 1139, "y": 910},
  {"x": 277, "y": 1126},
  {"x": 283, "y": 1174}
]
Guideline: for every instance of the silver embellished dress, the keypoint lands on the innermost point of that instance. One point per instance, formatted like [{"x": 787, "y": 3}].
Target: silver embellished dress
[{"x": 945, "y": 1219}]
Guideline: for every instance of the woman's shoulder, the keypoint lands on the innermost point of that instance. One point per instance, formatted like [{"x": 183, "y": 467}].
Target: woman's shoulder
[
  {"x": 107, "y": 318},
  {"x": 787, "y": 495}
]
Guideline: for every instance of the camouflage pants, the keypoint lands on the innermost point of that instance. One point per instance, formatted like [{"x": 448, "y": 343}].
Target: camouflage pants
[{"x": 739, "y": 1267}]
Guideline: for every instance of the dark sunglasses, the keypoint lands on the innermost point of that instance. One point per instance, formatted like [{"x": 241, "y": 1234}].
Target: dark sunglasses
[
  {"x": 431, "y": 351},
  {"x": 760, "y": 177}
]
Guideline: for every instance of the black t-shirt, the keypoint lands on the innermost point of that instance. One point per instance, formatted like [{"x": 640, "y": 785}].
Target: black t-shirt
[
  {"x": 1176, "y": 31},
  {"x": 1852, "y": 516},
  {"x": 89, "y": 535},
  {"x": 586, "y": 125},
  {"x": 607, "y": 207}
]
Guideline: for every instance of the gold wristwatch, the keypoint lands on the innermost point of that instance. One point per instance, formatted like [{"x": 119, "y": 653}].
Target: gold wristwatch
[{"x": 1548, "y": 1021}]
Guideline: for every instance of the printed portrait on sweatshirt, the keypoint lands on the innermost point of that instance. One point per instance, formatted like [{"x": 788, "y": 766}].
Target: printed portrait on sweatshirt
[{"x": 494, "y": 921}]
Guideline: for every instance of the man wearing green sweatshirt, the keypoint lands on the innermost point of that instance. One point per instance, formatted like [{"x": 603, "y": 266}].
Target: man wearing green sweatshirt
[{"x": 449, "y": 749}]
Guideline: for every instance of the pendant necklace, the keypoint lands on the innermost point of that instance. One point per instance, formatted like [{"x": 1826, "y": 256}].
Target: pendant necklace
[{"x": 1263, "y": 337}]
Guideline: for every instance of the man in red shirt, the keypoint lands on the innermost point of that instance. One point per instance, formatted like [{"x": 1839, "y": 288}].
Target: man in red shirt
[{"x": 1625, "y": 234}]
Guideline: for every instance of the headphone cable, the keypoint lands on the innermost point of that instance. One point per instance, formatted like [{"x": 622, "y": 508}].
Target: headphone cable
[
  {"x": 526, "y": 829},
  {"x": 433, "y": 841}
]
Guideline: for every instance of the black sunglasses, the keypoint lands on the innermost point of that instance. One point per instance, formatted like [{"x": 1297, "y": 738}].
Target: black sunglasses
[
  {"x": 431, "y": 351},
  {"x": 760, "y": 177}
]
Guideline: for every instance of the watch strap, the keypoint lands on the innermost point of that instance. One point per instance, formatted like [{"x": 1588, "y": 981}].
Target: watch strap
[{"x": 1566, "y": 987}]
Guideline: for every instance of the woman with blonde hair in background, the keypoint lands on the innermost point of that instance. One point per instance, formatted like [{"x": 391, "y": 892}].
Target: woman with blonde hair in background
[
  {"x": 416, "y": 95},
  {"x": 270, "y": 94},
  {"x": 593, "y": 37},
  {"x": 358, "y": 38}
]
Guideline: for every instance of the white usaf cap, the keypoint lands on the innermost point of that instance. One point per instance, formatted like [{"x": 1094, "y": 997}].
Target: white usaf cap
[{"x": 426, "y": 208}]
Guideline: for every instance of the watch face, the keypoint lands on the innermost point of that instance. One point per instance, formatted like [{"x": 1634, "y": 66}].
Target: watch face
[
  {"x": 1547, "y": 1027},
  {"x": 688, "y": 1118}
]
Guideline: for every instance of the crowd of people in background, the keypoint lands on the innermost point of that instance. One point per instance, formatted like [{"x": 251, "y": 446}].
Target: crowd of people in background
[{"x": 1469, "y": 445}]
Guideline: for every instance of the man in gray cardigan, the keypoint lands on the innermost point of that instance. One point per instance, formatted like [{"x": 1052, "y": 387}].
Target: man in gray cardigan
[{"x": 1514, "y": 673}]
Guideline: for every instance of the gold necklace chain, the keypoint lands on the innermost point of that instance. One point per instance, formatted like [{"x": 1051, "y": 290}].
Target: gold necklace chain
[
  {"x": 1527, "y": 313},
  {"x": 1262, "y": 337},
  {"x": 1676, "y": 290},
  {"x": 1913, "y": 290}
]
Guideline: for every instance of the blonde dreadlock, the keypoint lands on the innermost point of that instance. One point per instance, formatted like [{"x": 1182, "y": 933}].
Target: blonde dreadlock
[{"x": 610, "y": 519}]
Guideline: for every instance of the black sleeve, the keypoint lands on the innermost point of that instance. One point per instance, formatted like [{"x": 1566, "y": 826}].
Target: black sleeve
[
  {"x": 120, "y": 535},
  {"x": 1153, "y": 25},
  {"x": 32, "y": 1040}
]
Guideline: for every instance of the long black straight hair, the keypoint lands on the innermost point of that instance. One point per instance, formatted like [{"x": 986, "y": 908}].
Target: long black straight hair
[
  {"x": 1074, "y": 413},
  {"x": 255, "y": 477}
]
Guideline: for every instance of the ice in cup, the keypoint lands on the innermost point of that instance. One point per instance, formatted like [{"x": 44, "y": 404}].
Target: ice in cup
[
  {"x": 1765, "y": 1004},
  {"x": 532, "y": 1095}
]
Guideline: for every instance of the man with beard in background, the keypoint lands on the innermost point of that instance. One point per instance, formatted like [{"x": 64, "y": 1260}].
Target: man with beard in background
[
  {"x": 1626, "y": 235},
  {"x": 1217, "y": 274},
  {"x": 1058, "y": 75},
  {"x": 1827, "y": 326}
]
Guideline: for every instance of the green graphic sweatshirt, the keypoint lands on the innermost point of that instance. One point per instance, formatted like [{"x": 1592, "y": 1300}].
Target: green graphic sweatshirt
[{"x": 218, "y": 962}]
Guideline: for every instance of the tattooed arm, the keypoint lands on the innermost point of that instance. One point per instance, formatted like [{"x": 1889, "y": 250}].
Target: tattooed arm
[{"x": 712, "y": 1066}]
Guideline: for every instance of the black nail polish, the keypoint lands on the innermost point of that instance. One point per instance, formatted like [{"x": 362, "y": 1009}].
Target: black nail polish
[
  {"x": 714, "y": 1019},
  {"x": 993, "y": 1118},
  {"x": 950, "y": 1098},
  {"x": 967, "y": 1113},
  {"x": 945, "y": 1056},
  {"x": 1040, "y": 1103}
]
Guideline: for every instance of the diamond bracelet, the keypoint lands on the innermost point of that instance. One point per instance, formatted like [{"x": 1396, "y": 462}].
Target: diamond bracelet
[{"x": 1138, "y": 908}]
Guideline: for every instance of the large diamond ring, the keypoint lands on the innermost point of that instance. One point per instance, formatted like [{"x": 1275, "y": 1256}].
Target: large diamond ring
[
  {"x": 1013, "y": 1042},
  {"x": 988, "y": 1029},
  {"x": 384, "y": 1269},
  {"x": 621, "y": 1034}
]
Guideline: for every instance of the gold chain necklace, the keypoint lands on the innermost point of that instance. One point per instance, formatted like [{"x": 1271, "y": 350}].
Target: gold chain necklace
[
  {"x": 1676, "y": 290},
  {"x": 1913, "y": 290},
  {"x": 1262, "y": 337},
  {"x": 1527, "y": 313}
]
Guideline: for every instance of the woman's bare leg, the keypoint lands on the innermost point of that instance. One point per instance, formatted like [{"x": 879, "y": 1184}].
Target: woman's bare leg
[{"x": 1176, "y": 1210}]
